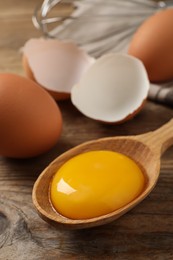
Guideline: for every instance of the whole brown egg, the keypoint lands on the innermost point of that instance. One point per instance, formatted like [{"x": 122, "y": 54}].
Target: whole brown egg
[
  {"x": 153, "y": 45},
  {"x": 30, "y": 120}
]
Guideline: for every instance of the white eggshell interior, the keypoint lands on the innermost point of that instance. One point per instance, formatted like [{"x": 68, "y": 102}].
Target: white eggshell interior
[
  {"x": 56, "y": 65},
  {"x": 113, "y": 88}
]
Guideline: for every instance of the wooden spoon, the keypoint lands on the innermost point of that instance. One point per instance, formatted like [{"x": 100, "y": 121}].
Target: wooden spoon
[{"x": 144, "y": 149}]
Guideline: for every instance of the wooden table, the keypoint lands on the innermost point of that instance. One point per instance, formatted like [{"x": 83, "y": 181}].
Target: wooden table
[{"x": 146, "y": 232}]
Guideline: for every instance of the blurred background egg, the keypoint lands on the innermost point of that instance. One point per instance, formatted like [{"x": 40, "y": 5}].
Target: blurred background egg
[
  {"x": 55, "y": 65},
  {"x": 30, "y": 119},
  {"x": 153, "y": 45}
]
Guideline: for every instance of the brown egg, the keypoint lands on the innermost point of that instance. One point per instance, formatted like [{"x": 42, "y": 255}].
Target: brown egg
[
  {"x": 153, "y": 44},
  {"x": 30, "y": 119}
]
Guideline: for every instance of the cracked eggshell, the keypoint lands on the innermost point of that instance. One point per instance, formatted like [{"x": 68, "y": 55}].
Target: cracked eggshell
[
  {"x": 113, "y": 90},
  {"x": 55, "y": 65}
]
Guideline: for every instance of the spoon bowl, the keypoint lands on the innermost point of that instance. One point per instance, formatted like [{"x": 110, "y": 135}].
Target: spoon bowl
[{"x": 145, "y": 150}]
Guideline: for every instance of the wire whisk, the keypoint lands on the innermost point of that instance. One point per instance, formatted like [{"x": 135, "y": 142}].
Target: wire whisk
[{"x": 41, "y": 20}]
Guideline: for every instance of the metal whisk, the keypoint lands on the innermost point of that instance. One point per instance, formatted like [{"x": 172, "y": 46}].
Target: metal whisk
[{"x": 41, "y": 21}]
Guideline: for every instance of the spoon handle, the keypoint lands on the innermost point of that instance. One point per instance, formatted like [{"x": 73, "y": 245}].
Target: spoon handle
[{"x": 159, "y": 140}]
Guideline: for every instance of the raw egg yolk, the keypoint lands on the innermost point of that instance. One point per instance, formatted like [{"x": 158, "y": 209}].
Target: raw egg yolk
[{"x": 95, "y": 183}]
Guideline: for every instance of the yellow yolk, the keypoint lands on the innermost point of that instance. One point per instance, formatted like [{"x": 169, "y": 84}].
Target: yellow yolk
[{"x": 95, "y": 183}]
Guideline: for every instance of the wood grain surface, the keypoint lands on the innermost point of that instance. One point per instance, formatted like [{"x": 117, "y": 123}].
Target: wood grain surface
[{"x": 146, "y": 232}]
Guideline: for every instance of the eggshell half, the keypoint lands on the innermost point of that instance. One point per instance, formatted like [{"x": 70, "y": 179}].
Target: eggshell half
[
  {"x": 113, "y": 89},
  {"x": 55, "y": 65},
  {"x": 30, "y": 119},
  {"x": 153, "y": 45}
]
